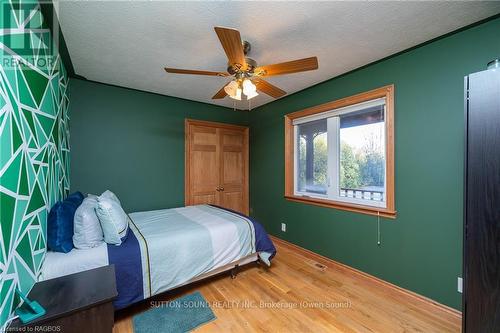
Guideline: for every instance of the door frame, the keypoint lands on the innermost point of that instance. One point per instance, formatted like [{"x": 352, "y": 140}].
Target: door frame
[{"x": 187, "y": 153}]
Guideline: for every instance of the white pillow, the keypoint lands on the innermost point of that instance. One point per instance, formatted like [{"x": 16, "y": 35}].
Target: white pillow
[
  {"x": 110, "y": 195},
  {"x": 114, "y": 220},
  {"x": 87, "y": 228}
]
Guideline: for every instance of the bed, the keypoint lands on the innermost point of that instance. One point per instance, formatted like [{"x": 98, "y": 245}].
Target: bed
[{"x": 169, "y": 248}]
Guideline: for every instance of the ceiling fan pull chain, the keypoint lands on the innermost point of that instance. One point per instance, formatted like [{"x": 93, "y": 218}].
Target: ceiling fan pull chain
[{"x": 378, "y": 229}]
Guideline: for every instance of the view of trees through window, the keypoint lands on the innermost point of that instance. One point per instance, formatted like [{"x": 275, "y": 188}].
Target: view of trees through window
[
  {"x": 362, "y": 161},
  {"x": 315, "y": 181}
]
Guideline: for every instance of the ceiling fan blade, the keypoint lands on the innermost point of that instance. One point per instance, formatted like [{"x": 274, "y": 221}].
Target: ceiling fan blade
[
  {"x": 195, "y": 72},
  {"x": 221, "y": 93},
  {"x": 268, "y": 88},
  {"x": 294, "y": 66},
  {"x": 231, "y": 42}
]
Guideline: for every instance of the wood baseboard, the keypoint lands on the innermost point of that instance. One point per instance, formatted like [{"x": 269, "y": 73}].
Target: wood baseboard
[{"x": 391, "y": 287}]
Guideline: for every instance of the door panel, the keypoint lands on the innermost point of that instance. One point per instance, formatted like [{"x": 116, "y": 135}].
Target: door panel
[
  {"x": 233, "y": 167},
  {"x": 209, "y": 199},
  {"x": 217, "y": 165},
  {"x": 205, "y": 178},
  {"x": 232, "y": 200},
  {"x": 203, "y": 151},
  {"x": 233, "y": 173},
  {"x": 233, "y": 139},
  {"x": 204, "y": 136}
]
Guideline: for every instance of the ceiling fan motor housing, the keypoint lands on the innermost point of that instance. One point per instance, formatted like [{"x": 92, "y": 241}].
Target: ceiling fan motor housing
[
  {"x": 251, "y": 63},
  {"x": 246, "y": 47}
]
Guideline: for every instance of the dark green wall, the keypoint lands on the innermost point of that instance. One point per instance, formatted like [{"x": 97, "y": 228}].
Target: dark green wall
[
  {"x": 421, "y": 250},
  {"x": 133, "y": 143}
]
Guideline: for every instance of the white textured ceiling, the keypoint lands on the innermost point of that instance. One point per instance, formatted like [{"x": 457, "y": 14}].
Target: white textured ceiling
[{"x": 129, "y": 43}]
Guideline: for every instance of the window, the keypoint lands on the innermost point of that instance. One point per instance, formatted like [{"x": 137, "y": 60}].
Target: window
[{"x": 340, "y": 154}]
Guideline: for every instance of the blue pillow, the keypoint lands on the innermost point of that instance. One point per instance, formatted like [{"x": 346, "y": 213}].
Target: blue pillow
[
  {"x": 60, "y": 223},
  {"x": 76, "y": 197}
]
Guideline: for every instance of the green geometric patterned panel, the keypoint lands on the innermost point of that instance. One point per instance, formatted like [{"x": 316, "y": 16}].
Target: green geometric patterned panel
[{"x": 34, "y": 149}]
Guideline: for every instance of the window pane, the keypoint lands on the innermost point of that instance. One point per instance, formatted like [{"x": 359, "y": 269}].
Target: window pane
[
  {"x": 312, "y": 159},
  {"x": 362, "y": 154}
]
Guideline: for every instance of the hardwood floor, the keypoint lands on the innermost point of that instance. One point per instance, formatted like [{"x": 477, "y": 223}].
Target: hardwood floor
[{"x": 303, "y": 292}]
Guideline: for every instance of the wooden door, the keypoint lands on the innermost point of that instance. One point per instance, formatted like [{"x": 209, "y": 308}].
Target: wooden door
[
  {"x": 233, "y": 145},
  {"x": 203, "y": 162},
  {"x": 216, "y": 165}
]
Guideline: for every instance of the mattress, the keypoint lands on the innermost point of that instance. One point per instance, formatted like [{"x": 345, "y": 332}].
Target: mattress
[{"x": 58, "y": 264}]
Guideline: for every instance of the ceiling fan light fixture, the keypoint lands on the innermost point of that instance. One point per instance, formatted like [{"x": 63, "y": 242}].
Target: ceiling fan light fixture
[
  {"x": 231, "y": 90},
  {"x": 249, "y": 89},
  {"x": 251, "y": 95},
  {"x": 238, "y": 95},
  {"x": 248, "y": 86}
]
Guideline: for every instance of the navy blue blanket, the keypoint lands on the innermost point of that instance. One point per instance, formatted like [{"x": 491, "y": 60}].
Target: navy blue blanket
[{"x": 128, "y": 270}]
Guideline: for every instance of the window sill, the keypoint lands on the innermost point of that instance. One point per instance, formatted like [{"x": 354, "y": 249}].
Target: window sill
[{"x": 376, "y": 211}]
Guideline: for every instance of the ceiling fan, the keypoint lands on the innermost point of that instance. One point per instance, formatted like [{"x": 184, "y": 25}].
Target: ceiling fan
[{"x": 247, "y": 75}]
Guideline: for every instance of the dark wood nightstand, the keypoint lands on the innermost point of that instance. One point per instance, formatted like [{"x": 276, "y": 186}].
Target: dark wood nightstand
[{"x": 81, "y": 302}]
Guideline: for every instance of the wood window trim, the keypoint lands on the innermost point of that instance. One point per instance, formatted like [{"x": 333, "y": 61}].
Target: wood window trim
[{"x": 390, "y": 210}]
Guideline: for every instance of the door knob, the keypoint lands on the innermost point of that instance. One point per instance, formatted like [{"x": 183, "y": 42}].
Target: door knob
[{"x": 221, "y": 188}]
